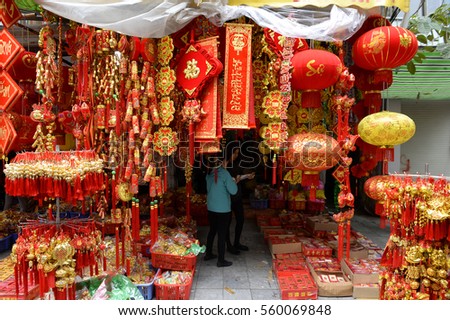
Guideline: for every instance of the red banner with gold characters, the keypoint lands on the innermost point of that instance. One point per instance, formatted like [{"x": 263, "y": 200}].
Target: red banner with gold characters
[
  {"x": 236, "y": 100},
  {"x": 7, "y": 134},
  {"x": 206, "y": 129},
  {"x": 9, "y": 91},
  {"x": 9, "y": 49},
  {"x": 9, "y": 13}
]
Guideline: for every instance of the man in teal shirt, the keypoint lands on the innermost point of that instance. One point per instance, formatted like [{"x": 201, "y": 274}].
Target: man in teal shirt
[{"x": 220, "y": 186}]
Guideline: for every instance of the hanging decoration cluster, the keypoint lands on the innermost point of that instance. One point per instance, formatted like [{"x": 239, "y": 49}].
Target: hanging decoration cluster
[{"x": 415, "y": 256}]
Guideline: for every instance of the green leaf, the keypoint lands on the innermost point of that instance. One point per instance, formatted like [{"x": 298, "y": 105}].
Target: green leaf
[
  {"x": 430, "y": 37},
  {"x": 422, "y": 39},
  {"x": 424, "y": 25},
  {"x": 421, "y": 55},
  {"x": 429, "y": 48},
  {"x": 435, "y": 25},
  {"x": 417, "y": 59},
  {"x": 411, "y": 67}
]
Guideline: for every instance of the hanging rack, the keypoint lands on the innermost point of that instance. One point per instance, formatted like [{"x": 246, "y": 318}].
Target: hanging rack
[{"x": 417, "y": 175}]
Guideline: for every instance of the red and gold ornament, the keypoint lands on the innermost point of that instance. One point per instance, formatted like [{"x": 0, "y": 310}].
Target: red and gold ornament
[
  {"x": 383, "y": 49},
  {"x": 314, "y": 70}
]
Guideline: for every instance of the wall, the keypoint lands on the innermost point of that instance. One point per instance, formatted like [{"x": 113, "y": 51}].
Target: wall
[{"x": 431, "y": 142}]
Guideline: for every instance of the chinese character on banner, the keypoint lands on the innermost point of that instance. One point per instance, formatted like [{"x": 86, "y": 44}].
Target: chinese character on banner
[
  {"x": 10, "y": 49},
  {"x": 7, "y": 133},
  {"x": 9, "y": 91},
  {"x": 9, "y": 13},
  {"x": 236, "y": 102}
]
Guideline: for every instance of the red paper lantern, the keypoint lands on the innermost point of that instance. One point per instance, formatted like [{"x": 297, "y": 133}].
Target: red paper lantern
[
  {"x": 314, "y": 70},
  {"x": 383, "y": 49},
  {"x": 365, "y": 81},
  {"x": 371, "y": 22},
  {"x": 375, "y": 188},
  {"x": 312, "y": 152}
]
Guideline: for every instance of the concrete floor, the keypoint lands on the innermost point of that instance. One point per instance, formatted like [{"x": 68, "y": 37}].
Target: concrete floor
[{"x": 250, "y": 277}]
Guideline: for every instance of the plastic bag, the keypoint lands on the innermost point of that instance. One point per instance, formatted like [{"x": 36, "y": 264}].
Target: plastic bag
[
  {"x": 158, "y": 18},
  {"x": 123, "y": 289},
  {"x": 117, "y": 287},
  {"x": 195, "y": 249}
]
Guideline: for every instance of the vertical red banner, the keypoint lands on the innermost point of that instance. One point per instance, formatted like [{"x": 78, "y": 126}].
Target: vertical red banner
[
  {"x": 237, "y": 82},
  {"x": 206, "y": 128}
]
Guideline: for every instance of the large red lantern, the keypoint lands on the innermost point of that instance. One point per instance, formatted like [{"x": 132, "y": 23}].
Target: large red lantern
[
  {"x": 312, "y": 153},
  {"x": 365, "y": 81},
  {"x": 383, "y": 49},
  {"x": 371, "y": 22},
  {"x": 314, "y": 70}
]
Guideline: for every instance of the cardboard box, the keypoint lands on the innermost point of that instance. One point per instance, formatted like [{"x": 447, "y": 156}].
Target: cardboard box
[
  {"x": 321, "y": 223},
  {"x": 357, "y": 251},
  {"x": 315, "y": 247},
  {"x": 275, "y": 232},
  {"x": 366, "y": 291},
  {"x": 294, "y": 244},
  {"x": 297, "y": 286},
  {"x": 343, "y": 287},
  {"x": 263, "y": 228},
  {"x": 358, "y": 278},
  {"x": 294, "y": 264}
]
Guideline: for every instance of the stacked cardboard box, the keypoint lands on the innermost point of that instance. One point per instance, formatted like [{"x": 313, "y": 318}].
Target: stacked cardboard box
[{"x": 364, "y": 274}]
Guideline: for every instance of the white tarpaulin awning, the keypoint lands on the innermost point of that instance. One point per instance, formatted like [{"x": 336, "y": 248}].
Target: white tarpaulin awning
[{"x": 157, "y": 18}]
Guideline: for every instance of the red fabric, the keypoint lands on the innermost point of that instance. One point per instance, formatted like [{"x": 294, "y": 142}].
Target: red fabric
[
  {"x": 238, "y": 61},
  {"x": 384, "y": 48},
  {"x": 206, "y": 67},
  {"x": 315, "y": 69}
]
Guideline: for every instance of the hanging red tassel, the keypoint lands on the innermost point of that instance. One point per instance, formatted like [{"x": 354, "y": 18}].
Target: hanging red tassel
[
  {"x": 372, "y": 101},
  {"x": 274, "y": 170},
  {"x": 122, "y": 233},
  {"x": 382, "y": 75},
  {"x": 340, "y": 241},
  {"x": 133, "y": 220},
  {"x": 388, "y": 156},
  {"x": 382, "y": 221},
  {"x": 117, "y": 248},
  {"x": 16, "y": 280},
  {"x": 347, "y": 249},
  {"x": 153, "y": 223},
  {"x": 50, "y": 213},
  {"x": 165, "y": 179},
  {"x": 312, "y": 193},
  {"x": 310, "y": 178},
  {"x": 113, "y": 191},
  {"x": 311, "y": 99}
]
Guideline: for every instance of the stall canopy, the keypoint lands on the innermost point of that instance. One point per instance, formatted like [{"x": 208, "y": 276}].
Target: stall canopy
[
  {"x": 326, "y": 21},
  {"x": 366, "y": 4}
]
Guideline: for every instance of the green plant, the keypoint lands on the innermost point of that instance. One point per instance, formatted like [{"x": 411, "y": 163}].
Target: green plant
[{"x": 433, "y": 34}]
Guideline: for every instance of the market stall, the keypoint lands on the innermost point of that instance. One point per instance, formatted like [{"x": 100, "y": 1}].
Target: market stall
[{"x": 145, "y": 93}]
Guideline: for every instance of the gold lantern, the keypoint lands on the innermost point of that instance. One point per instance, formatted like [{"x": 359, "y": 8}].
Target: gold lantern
[{"x": 386, "y": 129}]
